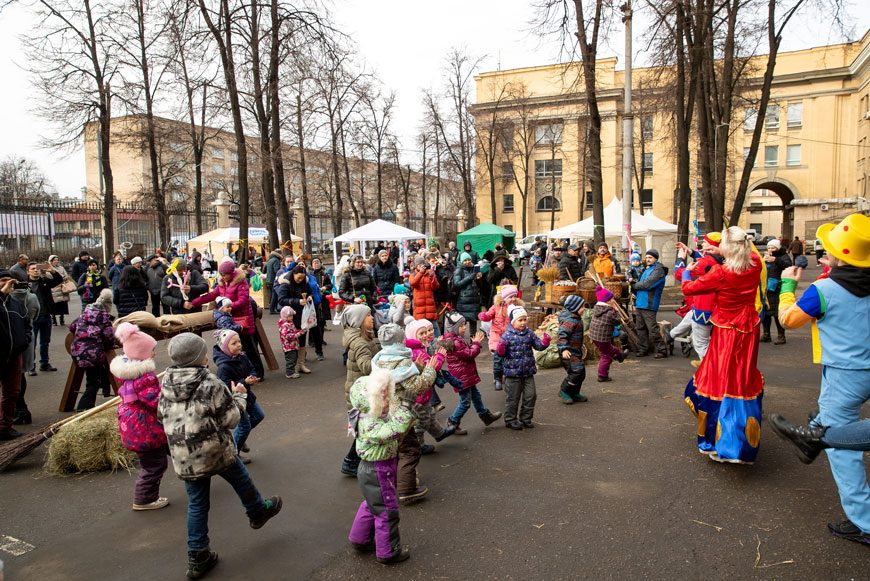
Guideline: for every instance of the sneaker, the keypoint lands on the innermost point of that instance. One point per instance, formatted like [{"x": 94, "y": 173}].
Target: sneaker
[
  {"x": 9, "y": 434},
  {"x": 437, "y": 408},
  {"x": 498, "y": 386},
  {"x": 414, "y": 496},
  {"x": 403, "y": 555},
  {"x": 847, "y": 530},
  {"x": 457, "y": 430},
  {"x": 807, "y": 440},
  {"x": 528, "y": 424},
  {"x": 565, "y": 398},
  {"x": 427, "y": 449},
  {"x": 159, "y": 503},
  {"x": 349, "y": 467},
  {"x": 579, "y": 398},
  {"x": 448, "y": 431},
  {"x": 294, "y": 375},
  {"x": 320, "y": 357},
  {"x": 271, "y": 508},
  {"x": 603, "y": 379},
  {"x": 200, "y": 562},
  {"x": 48, "y": 367},
  {"x": 514, "y": 425}
]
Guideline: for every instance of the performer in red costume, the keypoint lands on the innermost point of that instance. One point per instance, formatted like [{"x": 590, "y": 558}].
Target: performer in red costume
[{"x": 725, "y": 393}]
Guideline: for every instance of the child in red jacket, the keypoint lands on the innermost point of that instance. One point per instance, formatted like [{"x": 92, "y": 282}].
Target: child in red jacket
[{"x": 460, "y": 362}]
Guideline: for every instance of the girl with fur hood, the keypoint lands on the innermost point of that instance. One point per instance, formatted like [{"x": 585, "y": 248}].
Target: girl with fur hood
[
  {"x": 359, "y": 347},
  {"x": 93, "y": 335},
  {"x": 497, "y": 314},
  {"x": 141, "y": 432},
  {"x": 460, "y": 362}
]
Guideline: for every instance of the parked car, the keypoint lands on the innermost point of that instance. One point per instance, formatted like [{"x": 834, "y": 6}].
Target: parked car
[{"x": 523, "y": 247}]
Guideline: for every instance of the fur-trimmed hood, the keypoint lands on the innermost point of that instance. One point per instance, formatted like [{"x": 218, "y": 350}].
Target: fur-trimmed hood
[{"x": 124, "y": 368}]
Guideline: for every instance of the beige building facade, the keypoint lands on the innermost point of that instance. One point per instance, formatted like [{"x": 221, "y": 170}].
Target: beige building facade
[{"x": 812, "y": 164}]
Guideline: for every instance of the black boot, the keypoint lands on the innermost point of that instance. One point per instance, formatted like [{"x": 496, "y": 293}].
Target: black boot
[
  {"x": 349, "y": 467},
  {"x": 807, "y": 440},
  {"x": 200, "y": 562},
  {"x": 765, "y": 338}
]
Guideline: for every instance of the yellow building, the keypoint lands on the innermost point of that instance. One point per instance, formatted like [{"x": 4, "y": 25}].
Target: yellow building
[{"x": 811, "y": 166}]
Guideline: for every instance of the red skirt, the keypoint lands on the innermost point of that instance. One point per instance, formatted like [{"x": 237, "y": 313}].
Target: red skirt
[{"x": 730, "y": 368}]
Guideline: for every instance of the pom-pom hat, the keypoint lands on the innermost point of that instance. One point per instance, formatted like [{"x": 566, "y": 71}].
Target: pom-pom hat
[{"x": 137, "y": 345}]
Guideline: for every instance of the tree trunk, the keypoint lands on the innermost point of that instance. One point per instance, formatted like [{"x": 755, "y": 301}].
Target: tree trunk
[
  {"x": 303, "y": 176},
  {"x": 276, "y": 146}
]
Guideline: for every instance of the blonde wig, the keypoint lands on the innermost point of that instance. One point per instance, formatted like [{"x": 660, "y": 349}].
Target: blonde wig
[{"x": 736, "y": 247}]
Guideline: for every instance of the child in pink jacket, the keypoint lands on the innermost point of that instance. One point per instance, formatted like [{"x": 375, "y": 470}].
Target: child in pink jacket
[
  {"x": 418, "y": 337},
  {"x": 497, "y": 313}
]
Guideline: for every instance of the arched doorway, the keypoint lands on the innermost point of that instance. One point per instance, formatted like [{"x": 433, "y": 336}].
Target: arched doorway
[{"x": 787, "y": 193}]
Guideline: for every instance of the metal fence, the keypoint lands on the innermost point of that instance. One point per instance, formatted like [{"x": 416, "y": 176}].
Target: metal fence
[{"x": 42, "y": 228}]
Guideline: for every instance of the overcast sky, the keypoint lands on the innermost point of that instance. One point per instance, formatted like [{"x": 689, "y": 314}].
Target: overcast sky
[{"x": 403, "y": 41}]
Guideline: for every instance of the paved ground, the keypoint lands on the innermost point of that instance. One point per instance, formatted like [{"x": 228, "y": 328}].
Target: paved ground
[{"x": 614, "y": 488}]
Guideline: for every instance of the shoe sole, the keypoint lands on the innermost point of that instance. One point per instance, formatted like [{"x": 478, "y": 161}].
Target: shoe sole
[
  {"x": 349, "y": 473},
  {"x": 412, "y": 498},
  {"x": 149, "y": 507},
  {"x": 862, "y": 539}
]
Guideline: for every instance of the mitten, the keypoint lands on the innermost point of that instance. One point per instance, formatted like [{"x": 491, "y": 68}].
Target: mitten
[
  {"x": 501, "y": 349},
  {"x": 546, "y": 340}
]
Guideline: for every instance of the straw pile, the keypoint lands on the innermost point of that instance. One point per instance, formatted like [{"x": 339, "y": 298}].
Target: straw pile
[
  {"x": 548, "y": 274},
  {"x": 90, "y": 445}
]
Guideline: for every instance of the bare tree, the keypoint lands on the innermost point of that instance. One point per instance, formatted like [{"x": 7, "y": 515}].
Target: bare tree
[
  {"x": 23, "y": 179},
  {"x": 73, "y": 64},
  {"x": 524, "y": 141}
]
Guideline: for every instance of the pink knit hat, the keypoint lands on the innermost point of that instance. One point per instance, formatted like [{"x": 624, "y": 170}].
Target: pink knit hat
[
  {"x": 602, "y": 294},
  {"x": 508, "y": 291},
  {"x": 222, "y": 339},
  {"x": 137, "y": 345},
  {"x": 412, "y": 328},
  {"x": 287, "y": 312},
  {"x": 227, "y": 266}
]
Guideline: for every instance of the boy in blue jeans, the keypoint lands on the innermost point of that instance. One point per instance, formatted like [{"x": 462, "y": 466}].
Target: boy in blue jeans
[{"x": 201, "y": 444}]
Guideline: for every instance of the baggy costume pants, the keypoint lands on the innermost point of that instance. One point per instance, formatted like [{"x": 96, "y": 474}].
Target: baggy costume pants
[{"x": 378, "y": 516}]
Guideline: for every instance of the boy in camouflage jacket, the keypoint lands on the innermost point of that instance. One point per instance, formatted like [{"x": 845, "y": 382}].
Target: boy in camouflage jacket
[{"x": 570, "y": 348}]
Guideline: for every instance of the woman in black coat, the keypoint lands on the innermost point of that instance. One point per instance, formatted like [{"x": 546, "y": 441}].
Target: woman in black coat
[
  {"x": 132, "y": 292},
  {"x": 357, "y": 282},
  {"x": 777, "y": 260}
]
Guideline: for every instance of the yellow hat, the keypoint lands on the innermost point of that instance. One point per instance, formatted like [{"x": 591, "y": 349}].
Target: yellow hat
[{"x": 849, "y": 240}]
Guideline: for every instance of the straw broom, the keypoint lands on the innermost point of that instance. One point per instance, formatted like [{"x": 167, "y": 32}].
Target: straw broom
[{"x": 21, "y": 447}]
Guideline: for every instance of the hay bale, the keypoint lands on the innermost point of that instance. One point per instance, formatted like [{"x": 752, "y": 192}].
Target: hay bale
[{"x": 89, "y": 445}]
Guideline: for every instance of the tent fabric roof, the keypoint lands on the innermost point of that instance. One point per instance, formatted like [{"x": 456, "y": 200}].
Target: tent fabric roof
[
  {"x": 256, "y": 235},
  {"x": 640, "y": 225},
  {"x": 485, "y": 236},
  {"x": 487, "y": 228},
  {"x": 378, "y": 230}
]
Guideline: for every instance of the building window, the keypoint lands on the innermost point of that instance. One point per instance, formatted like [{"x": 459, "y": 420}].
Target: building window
[
  {"x": 771, "y": 118},
  {"x": 177, "y": 180},
  {"x": 507, "y": 171},
  {"x": 234, "y": 156},
  {"x": 508, "y": 202},
  {"x": 771, "y": 156},
  {"x": 550, "y": 134},
  {"x": 757, "y": 228},
  {"x": 755, "y": 205},
  {"x": 176, "y": 147},
  {"x": 746, "y": 159},
  {"x": 793, "y": 155},
  {"x": 749, "y": 116},
  {"x": 548, "y": 204},
  {"x": 234, "y": 170},
  {"x": 589, "y": 200},
  {"x": 507, "y": 137},
  {"x": 795, "y": 114},
  {"x": 509, "y": 227},
  {"x": 545, "y": 168},
  {"x": 647, "y": 162},
  {"x": 646, "y": 127},
  {"x": 217, "y": 153},
  {"x": 217, "y": 168},
  {"x": 646, "y": 199},
  {"x": 177, "y": 196}
]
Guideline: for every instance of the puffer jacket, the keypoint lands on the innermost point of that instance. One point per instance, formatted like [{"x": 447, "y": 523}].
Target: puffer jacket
[
  {"x": 154, "y": 276},
  {"x": 606, "y": 265},
  {"x": 90, "y": 293},
  {"x": 424, "y": 284},
  {"x": 137, "y": 412},
  {"x": 649, "y": 287},
  {"x": 357, "y": 283},
  {"x": 377, "y": 437},
  {"x": 289, "y": 295},
  {"x": 497, "y": 277},
  {"x": 131, "y": 300},
  {"x": 198, "y": 413},
  {"x": 515, "y": 347},
  {"x": 604, "y": 319},
  {"x": 15, "y": 328},
  {"x": 418, "y": 350},
  {"x": 234, "y": 370},
  {"x": 572, "y": 267},
  {"x": 224, "y": 320},
  {"x": 386, "y": 275},
  {"x": 570, "y": 336},
  {"x": 289, "y": 335},
  {"x": 467, "y": 292},
  {"x": 460, "y": 359},
  {"x": 360, "y": 350},
  {"x": 93, "y": 335},
  {"x": 237, "y": 291},
  {"x": 443, "y": 274},
  {"x": 497, "y": 314}
]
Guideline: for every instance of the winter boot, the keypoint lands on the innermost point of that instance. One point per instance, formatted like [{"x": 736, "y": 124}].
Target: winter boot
[
  {"x": 565, "y": 398},
  {"x": 456, "y": 429},
  {"x": 403, "y": 555},
  {"x": 273, "y": 507},
  {"x": 427, "y": 449},
  {"x": 807, "y": 440},
  {"x": 300, "y": 366},
  {"x": 349, "y": 467},
  {"x": 200, "y": 562},
  {"x": 579, "y": 398},
  {"x": 780, "y": 339},
  {"x": 765, "y": 338},
  {"x": 448, "y": 431},
  {"x": 489, "y": 417}
]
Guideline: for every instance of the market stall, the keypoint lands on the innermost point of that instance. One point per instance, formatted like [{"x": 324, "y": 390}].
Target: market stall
[
  {"x": 377, "y": 231},
  {"x": 485, "y": 236},
  {"x": 225, "y": 241}
]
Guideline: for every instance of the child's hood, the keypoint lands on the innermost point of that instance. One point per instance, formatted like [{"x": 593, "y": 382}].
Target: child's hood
[
  {"x": 601, "y": 309},
  {"x": 358, "y": 397},
  {"x": 180, "y": 383},
  {"x": 124, "y": 368}
]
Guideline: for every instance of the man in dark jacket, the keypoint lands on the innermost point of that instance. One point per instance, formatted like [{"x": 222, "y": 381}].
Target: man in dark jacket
[
  {"x": 796, "y": 248},
  {"x": 41, "y": 285},
  {"x": 394, "y": 253},
  {"x": 272, "y": 268},
  {"x": 501, "y": 269},
  {"x": 452, "y": 253},
  {"x": 776, "y": 260},
  {"x": 13, "y": 342},
  {"x": 19, "y": 270},
  {"x": 80, "y": 266},
  {"x": 91, "y": 283},
  {"x": 154, "y": 273},
  {"x": 475, "y": 257},
  {"x": 466, "y": 284},
  {"x": 385, "y": 273},
  {"x": 179, "y": 288},
  {"x": 573, "y": 265}
]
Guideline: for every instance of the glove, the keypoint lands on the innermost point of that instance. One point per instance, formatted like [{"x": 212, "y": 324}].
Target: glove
[
  {"x": 546, "y": 340},
  {"x": 501, "y": 349}
]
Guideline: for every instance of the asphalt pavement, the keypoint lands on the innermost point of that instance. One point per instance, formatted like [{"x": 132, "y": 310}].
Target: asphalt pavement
[{"x": 613, "y": 488}]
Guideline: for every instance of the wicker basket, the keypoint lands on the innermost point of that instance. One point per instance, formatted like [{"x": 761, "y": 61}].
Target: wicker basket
[
  {"x": 536, "y": 318},
  {"x": 586, "y": 290},
  {"x": 562, "y": 291},
  {"x": 614, "y": 286}
]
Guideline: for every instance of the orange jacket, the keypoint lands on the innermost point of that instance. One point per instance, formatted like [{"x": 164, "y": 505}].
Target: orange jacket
[{"x": 423, "y": 283}]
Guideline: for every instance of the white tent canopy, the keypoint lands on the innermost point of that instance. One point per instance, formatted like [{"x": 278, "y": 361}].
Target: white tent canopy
[
  {"x": 376, "y": 231},
  {"x": 641, "y": 226},
  {"x": 223, "y": 237}
]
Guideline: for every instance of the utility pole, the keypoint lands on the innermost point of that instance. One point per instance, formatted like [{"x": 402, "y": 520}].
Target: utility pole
[{"x": 627, "y": 135}]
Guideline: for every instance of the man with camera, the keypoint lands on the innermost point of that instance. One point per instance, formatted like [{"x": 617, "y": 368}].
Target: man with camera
[{"x": 42, "y": 278}]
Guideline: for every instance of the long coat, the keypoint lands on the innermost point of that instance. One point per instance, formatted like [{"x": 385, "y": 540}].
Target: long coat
[{"x": 424, "y": 284}]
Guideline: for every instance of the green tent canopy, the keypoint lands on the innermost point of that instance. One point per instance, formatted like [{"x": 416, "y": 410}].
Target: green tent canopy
[{"x": 485, "y": 236}]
